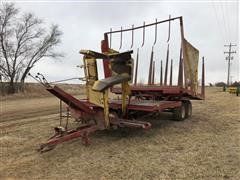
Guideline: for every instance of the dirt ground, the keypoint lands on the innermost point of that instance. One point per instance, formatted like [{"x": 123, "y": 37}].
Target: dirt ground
[{"x": 207, "y": 146}]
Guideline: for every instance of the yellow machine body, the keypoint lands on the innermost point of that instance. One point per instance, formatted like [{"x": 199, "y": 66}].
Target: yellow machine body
[{"x": 98, "y": 90}]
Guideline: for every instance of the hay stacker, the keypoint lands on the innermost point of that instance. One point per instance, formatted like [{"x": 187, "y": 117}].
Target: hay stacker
[{"x": 117, "y": 100}]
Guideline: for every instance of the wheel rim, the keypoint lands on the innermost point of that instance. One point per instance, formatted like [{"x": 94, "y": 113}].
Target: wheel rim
[
  {"x": 183, "y": 112},
  {"x": 189, "y": 110}
]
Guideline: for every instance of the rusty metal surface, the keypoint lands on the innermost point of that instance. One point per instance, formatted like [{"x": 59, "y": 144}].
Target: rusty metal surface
[
  {"x": 131, "y": 123},
  {"x": 144, "y": 25},
  {"x": 69, "y": 99},
  {"x": 105, "y": 49},
  {"x": 67, "y": 136},
  {"x": 147, "y": 106},
  {"x": 161, "y": 90},
  {"x": 190, "y": 63},
  {"x": 153, "y": 88}
]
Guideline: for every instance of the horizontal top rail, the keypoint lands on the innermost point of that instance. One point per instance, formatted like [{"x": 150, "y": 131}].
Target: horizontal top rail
[{"x": 146, "y": 25}]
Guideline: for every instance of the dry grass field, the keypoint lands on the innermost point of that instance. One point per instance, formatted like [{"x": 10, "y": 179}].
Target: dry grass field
[{"x": 207, "y": 146}]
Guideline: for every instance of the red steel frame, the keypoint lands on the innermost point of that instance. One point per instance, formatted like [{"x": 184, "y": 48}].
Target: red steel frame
[
  {"x": 138, "y": 106},
  {"x": 85, "y": 108},
  {"x": 169, "y": 90}
]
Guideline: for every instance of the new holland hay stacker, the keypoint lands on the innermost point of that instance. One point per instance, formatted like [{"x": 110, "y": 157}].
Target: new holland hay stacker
[{"x": 99, "y": 111}]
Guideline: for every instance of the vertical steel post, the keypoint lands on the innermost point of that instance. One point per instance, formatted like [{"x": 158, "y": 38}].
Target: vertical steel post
[
  {"x": 183, "y": 52},
  {"x": 153, "y": 72},
  {"x": 125, "y": 93},
  {"x": 143, "y": 41},
  {"x": 170, "y": 81},
  {"x": 150, "y": 68},
  {"x": 180, "y": 70},
  {"x": 60, "y": 113},
  {"x": 132, "y": 36},
  {"x": 161, "y": 74},
  {"x": 105, "y": 49},
  {"x": 155, "y": 40},
  {"x": 166, "y": 67},
  {"x": 121, "y": 39},
  {"x": 136, "y": 68},
  {"x": 106, "y": 108},
  {"x": 169, "y": 29},
  {"x": 110, "y": 40},
  {"x": 203, "y": 79},
  {"x": 68, "y": 113}
]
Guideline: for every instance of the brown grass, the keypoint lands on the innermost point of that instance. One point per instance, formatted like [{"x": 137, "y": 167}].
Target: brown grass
[
  {"x": 207, "y": 146},
  {"x": 36, "y": 90}
]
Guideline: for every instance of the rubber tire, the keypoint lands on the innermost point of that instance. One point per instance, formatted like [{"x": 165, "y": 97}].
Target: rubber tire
[
  {"x": 179, "y": 113},
  {"x": 188, "y": 108}
]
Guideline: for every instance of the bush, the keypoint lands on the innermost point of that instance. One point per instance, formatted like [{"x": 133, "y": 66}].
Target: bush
[
  {"x": 235, "y": 84},
  {"x": 220, "y": 84},
  {"x": 5, "y": 86}
]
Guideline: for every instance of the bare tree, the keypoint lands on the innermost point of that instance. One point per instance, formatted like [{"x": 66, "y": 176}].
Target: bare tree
[{"x": 23, "y": 42}]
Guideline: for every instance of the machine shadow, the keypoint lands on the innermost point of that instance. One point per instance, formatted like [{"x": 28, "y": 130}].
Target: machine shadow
[{"x": 161, "y": 121}]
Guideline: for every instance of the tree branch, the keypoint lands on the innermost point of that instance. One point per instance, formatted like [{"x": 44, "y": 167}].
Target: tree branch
[{"x": 24, "y": 42}]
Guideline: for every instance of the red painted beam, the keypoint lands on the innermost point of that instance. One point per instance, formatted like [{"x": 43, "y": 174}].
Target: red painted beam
[
  {"x": 70, "y": 100},
  {"x": 105, "y": 49},
  {"x": 72, "y": 134}
]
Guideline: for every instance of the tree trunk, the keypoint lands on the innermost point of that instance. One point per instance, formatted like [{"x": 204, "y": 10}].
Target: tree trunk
[
  {"x": 11, "y": 87},
  {"x": 22, "y": 81},
  {"x": 22, "y": 85}
]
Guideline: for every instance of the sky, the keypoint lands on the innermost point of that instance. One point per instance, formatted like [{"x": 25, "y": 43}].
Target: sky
[{"x": 208, "y": 26}]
